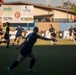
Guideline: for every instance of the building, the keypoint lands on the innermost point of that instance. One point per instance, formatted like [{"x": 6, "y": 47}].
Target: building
[{"x": 42, "y": 13}]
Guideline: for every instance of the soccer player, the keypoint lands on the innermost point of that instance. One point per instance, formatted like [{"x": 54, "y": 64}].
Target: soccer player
[
  {"x": 6, "y": 35},
  {"x": 52, "y": 32},
  {"x": 26, "y": 50},
  {"x": 1, "y": 32},
  {"x": 18, "y": 34},
  {"x": 71, "y": 32},
  {"x": 74, "y": 31}
]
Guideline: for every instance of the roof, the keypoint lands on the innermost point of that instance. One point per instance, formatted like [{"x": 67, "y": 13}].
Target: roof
[{"x": 49, "y": 8}]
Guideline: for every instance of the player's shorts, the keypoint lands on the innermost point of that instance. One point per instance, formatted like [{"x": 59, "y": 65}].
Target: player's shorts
[
  {"x": 6, "y": 36},
  {"x": 53, "y": 34},
  {"x": 18, "y": 35},
  {"x": 25, "y": 51}
]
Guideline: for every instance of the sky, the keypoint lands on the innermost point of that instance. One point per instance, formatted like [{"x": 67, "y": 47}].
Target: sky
[{"x": 52, "y": 2}]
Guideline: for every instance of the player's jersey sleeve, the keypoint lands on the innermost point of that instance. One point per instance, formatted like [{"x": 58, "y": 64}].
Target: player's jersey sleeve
[
  {"x": 22, "y": 29},
  {"x": 38, "y": 36},
  {"x": 16, "y": 28}
]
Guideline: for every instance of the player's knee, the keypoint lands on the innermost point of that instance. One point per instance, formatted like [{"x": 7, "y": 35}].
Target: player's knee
[{"x": 34, "y": 57}]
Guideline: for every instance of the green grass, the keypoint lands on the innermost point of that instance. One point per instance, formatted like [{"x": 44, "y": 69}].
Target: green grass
[{"x": 51, "y": 60}]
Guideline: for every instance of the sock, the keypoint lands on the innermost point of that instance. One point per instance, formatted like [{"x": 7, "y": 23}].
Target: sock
[
  {"x": 52, "y": 42},
  {"x": 32, "y": 62},
  {"x": 71, "y": 37},
  {"x": 14, "y": 65}
]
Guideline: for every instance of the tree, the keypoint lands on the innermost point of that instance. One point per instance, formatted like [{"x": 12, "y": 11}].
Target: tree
[
  {"x": 74, "y": 10},
  {"x": 67, "y": 4},
  {"x": 73, "y": 7}
]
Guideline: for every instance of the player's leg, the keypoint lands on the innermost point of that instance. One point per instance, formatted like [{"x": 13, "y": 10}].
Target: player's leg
[
  {"x": 15, "y": 40},
  {"x": 32, "y": 62},
  {"x": 51, "y": 40},
  {"x": 8, "y": 42},
  {"x": 71, "y": 36},
  {"x": 18, "y": 40},
  {"x": 15, "y": 63},
  {"x": 7, "y": 38},
  {"x": 74, "y": 38},
  {"x": 20, "y": 58}
]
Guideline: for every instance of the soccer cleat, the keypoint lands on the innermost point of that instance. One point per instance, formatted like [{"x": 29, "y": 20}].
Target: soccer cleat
[
  {"x": 9, "y": 71},
  {"x": 32, "y": 70}
]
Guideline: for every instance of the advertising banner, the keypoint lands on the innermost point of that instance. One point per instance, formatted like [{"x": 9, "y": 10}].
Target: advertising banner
[
  {"x": 0, "y": 15},
  {"x": 48, "y": 35},
  {"x": 7, "y": 13},
  {"x": 17, "y": 14},
  {"x": 27, "y": 14},
  {"x": 66, "y": 35}
]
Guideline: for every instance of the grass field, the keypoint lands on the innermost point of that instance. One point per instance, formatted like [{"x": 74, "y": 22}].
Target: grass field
[{"x": 51, "y": 60}]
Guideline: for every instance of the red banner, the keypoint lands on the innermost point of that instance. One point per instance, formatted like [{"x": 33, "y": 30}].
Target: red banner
[{"x": 75, "y": 17}]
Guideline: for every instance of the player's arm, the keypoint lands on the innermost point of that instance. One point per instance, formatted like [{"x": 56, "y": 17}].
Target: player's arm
[
  {"x": 22, "y": 29},
  {"x": 44, "y": 38},
  {"x": 16, "y": 28}
]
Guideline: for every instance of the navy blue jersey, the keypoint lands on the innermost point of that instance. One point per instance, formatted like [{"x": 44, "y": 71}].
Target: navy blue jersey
[
  {"x": 71, "y": 29},
  {"x": 74, "y": 29},
  {"x": 30, "y": 40},
  {"x": 19, "y": 31},
  {"x": 51, "y": 30}
]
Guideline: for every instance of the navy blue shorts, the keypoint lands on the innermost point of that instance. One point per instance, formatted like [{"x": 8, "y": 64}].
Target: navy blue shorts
[
  {"x": 17, "y": 35},
  {"x": 6, "y": 36},
  {"x": 24, "y": 51}
]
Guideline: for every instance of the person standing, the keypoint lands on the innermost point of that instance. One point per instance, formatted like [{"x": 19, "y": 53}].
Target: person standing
[
  {"x": 74, "y": 32},
  {"x": 52, "y": 33},
  {"x": 26, "y": 50},
  {"x": 71, "y": 32},
  {"x": 1, "y": 32},
  {"x": 18, "y": 34},
  {"x": 7, "y": 36}
]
